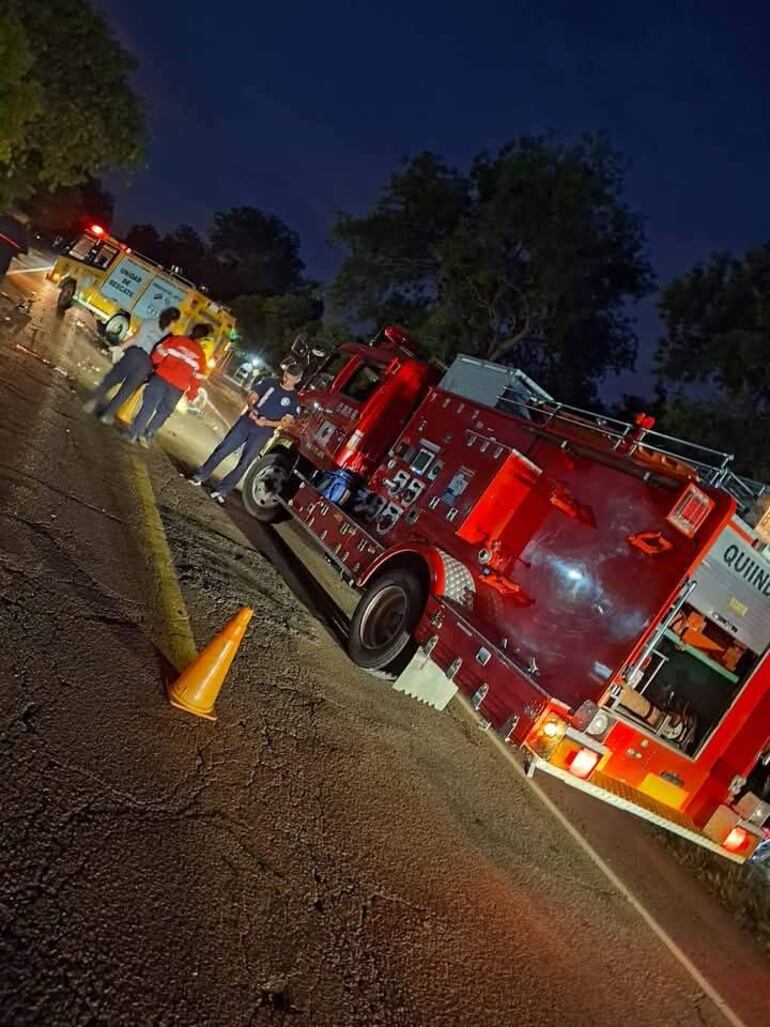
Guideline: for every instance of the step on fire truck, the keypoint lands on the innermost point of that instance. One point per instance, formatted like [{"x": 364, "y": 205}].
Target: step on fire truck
[{"x": 593, "y": 588}]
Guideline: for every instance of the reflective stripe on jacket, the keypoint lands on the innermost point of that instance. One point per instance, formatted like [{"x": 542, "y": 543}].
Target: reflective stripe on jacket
[{"x": 181, "y": 362}]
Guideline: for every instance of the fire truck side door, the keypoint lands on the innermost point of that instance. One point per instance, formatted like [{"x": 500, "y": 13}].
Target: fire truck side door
[{"x": 335, "y": 411}]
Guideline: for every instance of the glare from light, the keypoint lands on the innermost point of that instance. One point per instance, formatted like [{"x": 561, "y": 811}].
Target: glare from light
[
  {"x": 735, "y": 840},
  {"x": 550, "y": 729},
  {"x": 96, "y": 230},
  {"x": 583, "y": 762}
]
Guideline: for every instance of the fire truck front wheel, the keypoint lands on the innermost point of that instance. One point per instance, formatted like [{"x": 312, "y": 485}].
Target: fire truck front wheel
[
  {"x": 383, "y": 622},
  {"x": 263, "y": 487}
]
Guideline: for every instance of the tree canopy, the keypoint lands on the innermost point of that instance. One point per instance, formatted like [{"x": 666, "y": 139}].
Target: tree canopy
[
  {"x": 258, "y": 251},
  {"x": 712, "y": 358},
  {"x": 269, "y": 324},
  {"x": 68, "y": 210},
  {"x": 530, "y": 257},
  {"x": 67, "y": 110},
  {"x": 251, "y": 260}
]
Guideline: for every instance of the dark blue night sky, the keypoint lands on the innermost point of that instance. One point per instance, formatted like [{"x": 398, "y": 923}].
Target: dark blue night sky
[{"x": 305, "y": 109}]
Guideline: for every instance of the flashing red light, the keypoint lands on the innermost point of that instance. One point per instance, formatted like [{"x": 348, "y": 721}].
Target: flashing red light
[
  {"x": 97, "y": 230},
  {"x": 582, "y": 763},
  {"x": 735, "y": 840}
]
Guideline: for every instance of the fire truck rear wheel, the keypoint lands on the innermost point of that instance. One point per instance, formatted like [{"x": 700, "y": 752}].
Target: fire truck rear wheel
[
  {"x": 66, "y": 295},
  {"x": 266, "y": 480},
  {"x": 383, "y": 622}
]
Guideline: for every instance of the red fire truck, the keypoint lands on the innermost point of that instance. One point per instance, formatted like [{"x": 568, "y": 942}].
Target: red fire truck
[{"x": 593, "y": 588}]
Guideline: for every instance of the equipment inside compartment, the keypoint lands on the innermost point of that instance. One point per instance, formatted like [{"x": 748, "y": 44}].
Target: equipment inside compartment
[{"x": 689, "y": 681}]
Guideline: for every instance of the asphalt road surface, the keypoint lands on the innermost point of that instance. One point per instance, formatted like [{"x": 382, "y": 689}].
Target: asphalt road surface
[{"x": 329, "y": 852}]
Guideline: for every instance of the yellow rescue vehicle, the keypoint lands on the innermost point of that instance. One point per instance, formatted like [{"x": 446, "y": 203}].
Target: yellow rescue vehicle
[{"x": 121, "y": 288}]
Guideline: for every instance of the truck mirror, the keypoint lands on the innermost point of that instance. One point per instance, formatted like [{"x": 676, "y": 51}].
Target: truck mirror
[{"x": 299, "y": 347}]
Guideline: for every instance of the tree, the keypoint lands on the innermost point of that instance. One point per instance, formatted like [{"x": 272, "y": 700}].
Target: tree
[
  {"x": 69, "y": 105},
  {"x": 145, "y": 239},
  {"x": 69, "y": 209},
  {"x": 393, "y": 265},
  {"x": 186, "y": 249},
  {"x": 530, "y": 257},
  {"x": 269, "y": 324},
  {"x": 257, "y": 254},
  {"x": 716, "y": 339},
  {"x": 21, "y": 98}
]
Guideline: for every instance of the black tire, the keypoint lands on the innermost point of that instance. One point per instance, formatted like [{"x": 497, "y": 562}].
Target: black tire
[
  {"x": 383, "y": 622},
  {"x": 116, "y": 328},
  {"x": 66, "y": 295},
  {"x": 268, "y": 478}
]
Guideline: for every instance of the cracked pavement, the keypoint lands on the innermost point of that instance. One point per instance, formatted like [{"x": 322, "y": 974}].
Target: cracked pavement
[{"x": 328, "y": 853}]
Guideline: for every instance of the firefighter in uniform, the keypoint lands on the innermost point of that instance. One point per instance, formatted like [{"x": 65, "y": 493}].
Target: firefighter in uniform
[{"x": 273, "y": 402}]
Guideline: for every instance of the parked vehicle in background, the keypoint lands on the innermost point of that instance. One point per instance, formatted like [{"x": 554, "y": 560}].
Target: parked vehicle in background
[
  {"x": 599, "y": 592},
  {"x": 121, "y": 289}
]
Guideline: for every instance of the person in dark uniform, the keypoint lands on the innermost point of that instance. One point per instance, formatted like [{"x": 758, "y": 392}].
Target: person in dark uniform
[
  {"x": 272, "y": 403},
  {"x": 14, "y": 238}
]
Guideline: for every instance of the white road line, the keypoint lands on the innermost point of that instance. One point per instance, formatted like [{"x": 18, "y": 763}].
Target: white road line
[
  {"x": 29, "y": 270},
  {"x": 708, "y": 989}
]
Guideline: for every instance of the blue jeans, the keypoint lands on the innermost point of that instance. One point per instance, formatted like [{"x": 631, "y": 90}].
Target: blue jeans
[
  {"x": 133, "y": 369},
  {"x": 158, "y": 404},
  {"x": 244, "y": 433}
]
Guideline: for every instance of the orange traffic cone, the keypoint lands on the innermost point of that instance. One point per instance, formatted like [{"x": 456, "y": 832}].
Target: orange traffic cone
[
  {"x": 197, "y": 687},
  {"x": 125, "y": 413}
]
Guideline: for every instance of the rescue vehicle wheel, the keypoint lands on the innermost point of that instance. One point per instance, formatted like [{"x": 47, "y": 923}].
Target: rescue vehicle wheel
[
  {"x": 116, "y": 328},
  {"x": 265, "y": 481},
  {"x": 383, "y": 622},
  {"x": 66, "y": 295}
]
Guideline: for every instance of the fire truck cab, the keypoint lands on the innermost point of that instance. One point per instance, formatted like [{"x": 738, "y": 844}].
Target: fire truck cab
[{"x": 592, "y": 588}]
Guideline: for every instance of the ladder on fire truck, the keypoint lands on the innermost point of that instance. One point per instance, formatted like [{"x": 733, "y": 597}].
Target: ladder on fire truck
[
  {"x": 511, "y": 390},
  {"x": 712, "y": 465}
]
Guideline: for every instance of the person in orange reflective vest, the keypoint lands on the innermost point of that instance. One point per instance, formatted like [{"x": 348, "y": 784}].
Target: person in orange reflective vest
[{"x": 180, "y": 367}]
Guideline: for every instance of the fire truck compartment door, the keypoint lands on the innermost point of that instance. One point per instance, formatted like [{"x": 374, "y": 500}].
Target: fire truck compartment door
[{"x": 733, "y": 589}]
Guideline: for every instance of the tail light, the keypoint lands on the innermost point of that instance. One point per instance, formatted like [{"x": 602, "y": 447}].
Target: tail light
[
  {"x": 736, "y": 840},
  {"x": 582, "y": 763}
]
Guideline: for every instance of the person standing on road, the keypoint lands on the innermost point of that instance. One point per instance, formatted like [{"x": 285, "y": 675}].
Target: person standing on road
[
  {"x": 134, "y": 367},
  {"x": 272, "y": 404},
  {"x": 180, "y": 366},
  {"x": 14, "y": 238}
]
